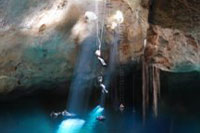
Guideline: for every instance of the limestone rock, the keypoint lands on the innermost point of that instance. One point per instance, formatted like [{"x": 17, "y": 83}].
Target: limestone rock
[
  {"x": 173, "y": 37},
  {"x": 172, "y": 50},
  {"x": 36, "y": 48}
]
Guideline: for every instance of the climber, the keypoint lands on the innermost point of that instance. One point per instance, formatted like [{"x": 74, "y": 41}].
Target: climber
[
  {"x": 121, "y": 107},
  {"x": 103, "y": 63},
  {"x": 55, "y": 115},
  {"x": 63, "y": 113},
  {"x": 101, "y": 118},
  {"x": 104, "y": 90}
]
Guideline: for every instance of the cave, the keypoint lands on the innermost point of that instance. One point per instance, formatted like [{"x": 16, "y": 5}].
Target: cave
[{"x": 99, "y": 66}]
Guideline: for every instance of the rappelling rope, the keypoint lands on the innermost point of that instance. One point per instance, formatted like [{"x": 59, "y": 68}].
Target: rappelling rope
[
  {"x": 99, "y": 44},
  {"x": 100, "y": 37},
  {"x": 121, "y": 71},
  {"x": 122, "y": 84}
]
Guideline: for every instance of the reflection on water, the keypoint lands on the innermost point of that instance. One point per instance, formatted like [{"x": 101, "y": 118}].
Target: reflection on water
[
  {"x": 81, "y": 126},
  {"x": 34, "y": 117},
  {"x": 71, "y": 126}
]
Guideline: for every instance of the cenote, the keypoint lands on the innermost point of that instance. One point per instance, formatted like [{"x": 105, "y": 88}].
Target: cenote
[{"x": 99, "y": 66}]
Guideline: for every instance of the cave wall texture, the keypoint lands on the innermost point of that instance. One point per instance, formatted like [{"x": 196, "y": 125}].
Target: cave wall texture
[
  {"x": 173, "y": 36},
  {"x": 36, "y": 47}
]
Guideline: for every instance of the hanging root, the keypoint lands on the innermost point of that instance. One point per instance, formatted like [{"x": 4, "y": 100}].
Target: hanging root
[
  {"x": 156, "y": 89},
  {"x": 150, "y": 79},
  {"x": 145, "y": 87}
]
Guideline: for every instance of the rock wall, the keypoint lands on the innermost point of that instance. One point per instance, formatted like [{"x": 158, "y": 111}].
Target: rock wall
[
  {"x": 173, "y": 37},
  {"x": 172, "y": 50},
  {"x": 36, "y": 48}
]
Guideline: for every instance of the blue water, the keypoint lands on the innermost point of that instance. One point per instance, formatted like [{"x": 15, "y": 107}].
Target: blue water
[{"x": 33, "y": 117}]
